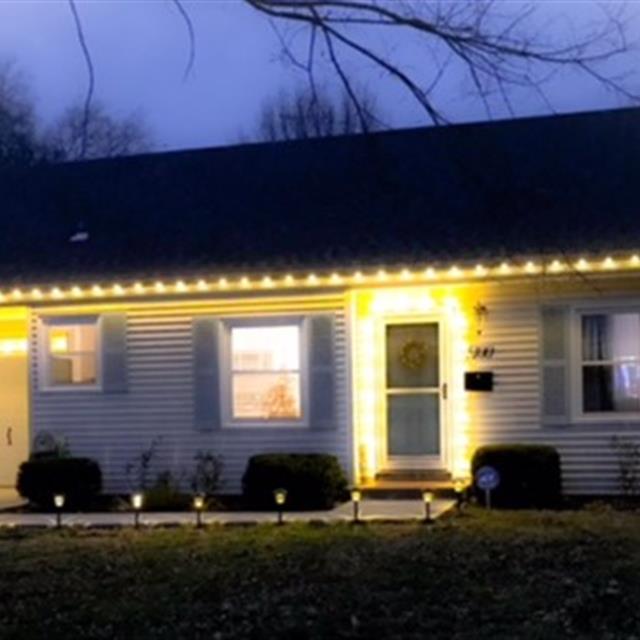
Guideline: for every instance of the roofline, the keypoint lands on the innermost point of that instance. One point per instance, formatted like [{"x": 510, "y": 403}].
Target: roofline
[
  {"x": 325, "y": 140},
  {"x": 522, "y": 268}
]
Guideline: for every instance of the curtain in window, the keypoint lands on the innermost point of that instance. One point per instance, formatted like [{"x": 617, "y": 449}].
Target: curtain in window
[{"x": 595, "y": 338}]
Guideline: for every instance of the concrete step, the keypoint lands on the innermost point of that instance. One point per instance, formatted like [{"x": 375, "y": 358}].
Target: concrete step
[
  {"x": 406, "y": 490},
  {"x": 413, "y": 475}
]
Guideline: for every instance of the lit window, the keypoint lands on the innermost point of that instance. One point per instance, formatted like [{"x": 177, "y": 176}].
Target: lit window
[
  {"x": 610, "y": 363},
  {"x": 72, "y": 353},
  {"x": 265, "y": 373}
]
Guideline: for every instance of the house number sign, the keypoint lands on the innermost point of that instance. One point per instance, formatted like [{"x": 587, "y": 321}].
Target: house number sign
[{"x": 481, "y": 352}]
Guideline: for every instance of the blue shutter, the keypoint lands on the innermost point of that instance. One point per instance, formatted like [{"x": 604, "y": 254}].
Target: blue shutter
[
  {"x": 114, "y": 352},
  {"x": 322, "y": 377},
  {"x": 555, "y": 365},
  {"x": 206, "y": 373}
]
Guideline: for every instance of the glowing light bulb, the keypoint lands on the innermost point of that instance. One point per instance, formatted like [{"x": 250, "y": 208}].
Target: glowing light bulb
[
  {"x": 555, "y": 266},
  {"x": 582, "y": 265}
]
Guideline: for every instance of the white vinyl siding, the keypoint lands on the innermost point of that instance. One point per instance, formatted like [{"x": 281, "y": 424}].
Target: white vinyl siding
[
  {"x": 159, "y": 402},
  {"x": 512, "y": 412}
]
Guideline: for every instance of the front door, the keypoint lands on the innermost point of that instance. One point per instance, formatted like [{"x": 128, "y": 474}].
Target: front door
[
  {"x": 413, "y": 394},
  {"x": 14, "y": 429}
]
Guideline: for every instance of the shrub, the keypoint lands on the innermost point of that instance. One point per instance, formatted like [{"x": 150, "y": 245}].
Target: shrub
[
  {"x": 137, "y": 470},
  {"x": 312, "y": 481},
  {"x": 205, "y": 479},
  {"x": 165, "y": 495},
  {"x": 79, "y": 479},
  {"x": 529, "y": 475}
]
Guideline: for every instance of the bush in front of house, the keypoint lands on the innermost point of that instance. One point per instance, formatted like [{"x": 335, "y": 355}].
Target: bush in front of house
[
  {"x": 530, "y": 475},
  {"x": 312, "y": 481},
  {"x": 78, "y": 479}
]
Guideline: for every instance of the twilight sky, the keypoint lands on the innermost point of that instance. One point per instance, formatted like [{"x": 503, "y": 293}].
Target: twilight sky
[{"x": 140, "y": 48}]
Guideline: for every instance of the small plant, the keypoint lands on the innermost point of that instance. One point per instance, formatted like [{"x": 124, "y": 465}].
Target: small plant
[
  {"x": 628, "y": 454},
  {"x": 46, "y": 445},
  {"x": 165, "y": 494},
  {"x": 137, "y": 470},
  {"x": 206, "y": 476}
]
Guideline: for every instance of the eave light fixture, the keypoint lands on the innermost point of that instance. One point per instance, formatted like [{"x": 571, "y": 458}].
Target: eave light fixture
[{"x": 380, "y": 277}]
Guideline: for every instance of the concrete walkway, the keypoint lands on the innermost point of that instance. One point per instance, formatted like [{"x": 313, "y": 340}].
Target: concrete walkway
[{"x": 370, "y": 510}]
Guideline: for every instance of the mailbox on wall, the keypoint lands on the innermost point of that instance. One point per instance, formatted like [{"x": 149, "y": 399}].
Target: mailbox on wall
[{"x": 478, "y": 381}]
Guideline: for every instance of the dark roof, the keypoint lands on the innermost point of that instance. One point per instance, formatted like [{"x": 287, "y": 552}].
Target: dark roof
[{"x": 567, "y": 183}]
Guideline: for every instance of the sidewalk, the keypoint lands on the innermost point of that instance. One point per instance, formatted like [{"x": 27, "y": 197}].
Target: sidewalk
[{"x": 370, "y": 510}]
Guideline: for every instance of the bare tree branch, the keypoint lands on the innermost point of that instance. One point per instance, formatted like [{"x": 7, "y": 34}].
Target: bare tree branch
[
  {"x": 91, "y": 76},
  {"x": 192, "y": 37},
  {"x": 345, "y": 81},
  {"x": 494, "y": 48}
]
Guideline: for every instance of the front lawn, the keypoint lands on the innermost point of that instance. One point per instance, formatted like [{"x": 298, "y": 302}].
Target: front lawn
[{"x": 497, "y": 575}]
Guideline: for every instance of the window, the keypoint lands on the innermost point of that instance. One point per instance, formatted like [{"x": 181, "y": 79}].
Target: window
[
  {"x": 71, "y": 353},
  {"x": 266, "y": 373},
  {"x": 610, "y": 362}
]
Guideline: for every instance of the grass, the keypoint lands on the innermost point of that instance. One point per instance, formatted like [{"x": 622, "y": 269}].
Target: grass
[{"x": 478, "y": 575}]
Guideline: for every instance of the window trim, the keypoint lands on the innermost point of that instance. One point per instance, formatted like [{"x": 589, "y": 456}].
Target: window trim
[
  {"x": 44, "y": 356},
  {"x": 226, "y": 401},
  {"x": 578, "y": 415}
]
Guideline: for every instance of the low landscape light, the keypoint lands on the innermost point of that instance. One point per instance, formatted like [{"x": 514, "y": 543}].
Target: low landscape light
[
  {"x": 427, "y": 499},
  {"x": 137, "y": 500},
  {"x": 280, "y": 497},
  {"x": 58, "y": 501},
  {"x": 356, "y": 496},
  {"x": 198, "y": 505}
]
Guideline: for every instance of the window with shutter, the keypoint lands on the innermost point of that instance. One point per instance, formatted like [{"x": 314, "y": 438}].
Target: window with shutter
[{"x": 555, "y": 370}]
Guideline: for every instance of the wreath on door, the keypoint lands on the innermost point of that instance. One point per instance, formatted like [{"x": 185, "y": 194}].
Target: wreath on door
[{"x": 413, "y": 355}]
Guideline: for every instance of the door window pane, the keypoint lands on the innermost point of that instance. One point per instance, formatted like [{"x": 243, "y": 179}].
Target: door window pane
[
  {"x": 412, "y": 356},
  {"x": 413, "y": 424}
]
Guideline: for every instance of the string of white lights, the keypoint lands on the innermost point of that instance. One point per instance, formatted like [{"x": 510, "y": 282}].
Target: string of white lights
[{"x": 332, "y": 279}]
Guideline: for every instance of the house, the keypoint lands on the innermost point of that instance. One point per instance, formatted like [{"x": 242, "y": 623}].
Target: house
[{"x": 396, "y": 299}]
